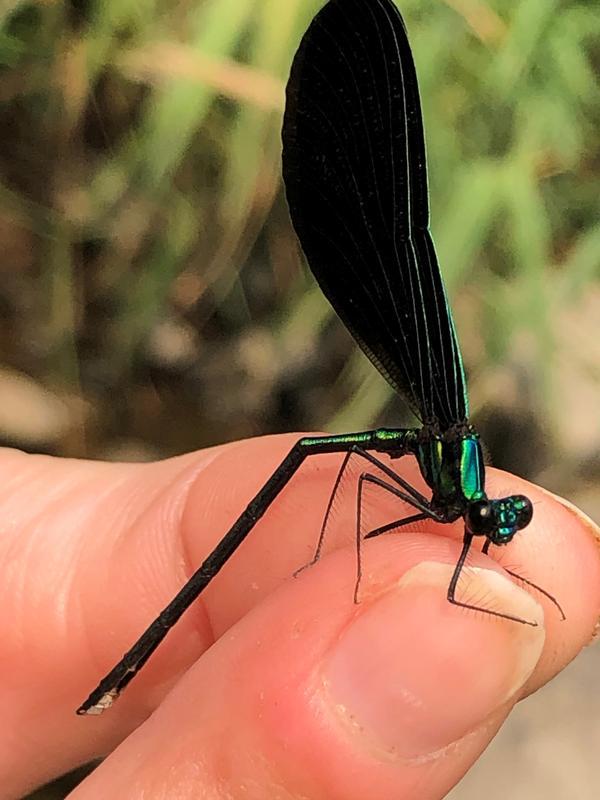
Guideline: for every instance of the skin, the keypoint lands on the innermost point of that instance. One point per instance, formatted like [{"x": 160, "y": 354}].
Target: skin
[{"x": 269, "y": 687}]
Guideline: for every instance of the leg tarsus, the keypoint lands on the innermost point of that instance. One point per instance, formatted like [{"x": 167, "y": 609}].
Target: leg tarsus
[
  {"x": 422, "y": 506},
  {"x": 533, "y": 585},
  {"x": 338, "y": 480},
  {"x": 362, "y": 478},
  {"x": 539, "y": 589},
  {"x": 467, "y": 541}
]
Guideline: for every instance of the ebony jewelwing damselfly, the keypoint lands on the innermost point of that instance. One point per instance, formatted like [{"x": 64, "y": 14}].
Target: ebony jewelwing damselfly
[{"x": 355, "y": 175}]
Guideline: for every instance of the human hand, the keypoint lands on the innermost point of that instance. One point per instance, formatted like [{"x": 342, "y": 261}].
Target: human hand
[{"x": 302, "y": 693}]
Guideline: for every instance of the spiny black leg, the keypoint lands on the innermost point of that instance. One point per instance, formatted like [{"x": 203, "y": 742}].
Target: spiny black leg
[
  {"x": 422, "y": 506},
  {"x": 367, "y": 477},
  {"x": 467, "y": 541},
  {"x": 539, "y": 589},
  {"x": 336, "y": 485},
  {"x": 410, "y": 497},
  {"x": 533, "y": 585},
  {"x": 397, "y": 524},
  {"x": 422, "y": 501},
  {"x": 361, "y": 481}
]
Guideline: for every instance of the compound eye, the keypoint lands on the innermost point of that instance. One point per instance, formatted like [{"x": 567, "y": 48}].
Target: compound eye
[
  {"x": 480, "y": 518},
  {"x": 524, "y": 510}
]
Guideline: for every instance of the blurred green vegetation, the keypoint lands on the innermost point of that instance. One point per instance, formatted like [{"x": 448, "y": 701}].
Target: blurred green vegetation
[
  {"x": 153, "y": 297},
  {"x": 147, "y": 250}
]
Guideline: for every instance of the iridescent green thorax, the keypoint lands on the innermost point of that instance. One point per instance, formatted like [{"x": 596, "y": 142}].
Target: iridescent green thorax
[
  {"x": 472, "y": 469},
  {"x": 453, "y": 468}
]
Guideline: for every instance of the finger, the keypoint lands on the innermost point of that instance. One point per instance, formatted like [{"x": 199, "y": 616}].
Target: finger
[
  {"x": 106, "y": 545},
  {"x": 90, "y": 554},
  {"x": 311, "y": 696},
  {"x": 559, "y": 551},
  {"x": 63, "y": 521}
]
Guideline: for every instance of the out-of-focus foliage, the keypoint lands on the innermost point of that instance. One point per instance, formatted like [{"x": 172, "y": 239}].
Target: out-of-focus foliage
[{"x": 151, "y": 286}]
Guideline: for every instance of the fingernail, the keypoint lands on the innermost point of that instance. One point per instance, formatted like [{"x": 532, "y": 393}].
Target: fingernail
[{"x": 413, "y": 673}]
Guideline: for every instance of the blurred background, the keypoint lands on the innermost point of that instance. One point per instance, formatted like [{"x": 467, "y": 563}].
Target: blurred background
[{"x": 153, "y": 298}]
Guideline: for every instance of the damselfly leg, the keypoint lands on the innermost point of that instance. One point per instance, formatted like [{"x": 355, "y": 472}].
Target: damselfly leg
[
  {"x": 527, "y": 582},
  {"x": 410, "y": 495}
]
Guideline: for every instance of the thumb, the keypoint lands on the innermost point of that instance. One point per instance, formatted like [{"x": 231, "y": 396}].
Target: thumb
[{"x": 311, "y": 696}]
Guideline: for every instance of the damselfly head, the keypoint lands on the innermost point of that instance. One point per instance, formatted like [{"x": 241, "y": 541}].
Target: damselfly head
[{"x": 499, "y": 520}]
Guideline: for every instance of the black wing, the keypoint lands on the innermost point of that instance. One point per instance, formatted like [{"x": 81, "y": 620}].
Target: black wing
[{"x": 356, "y": 184}]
